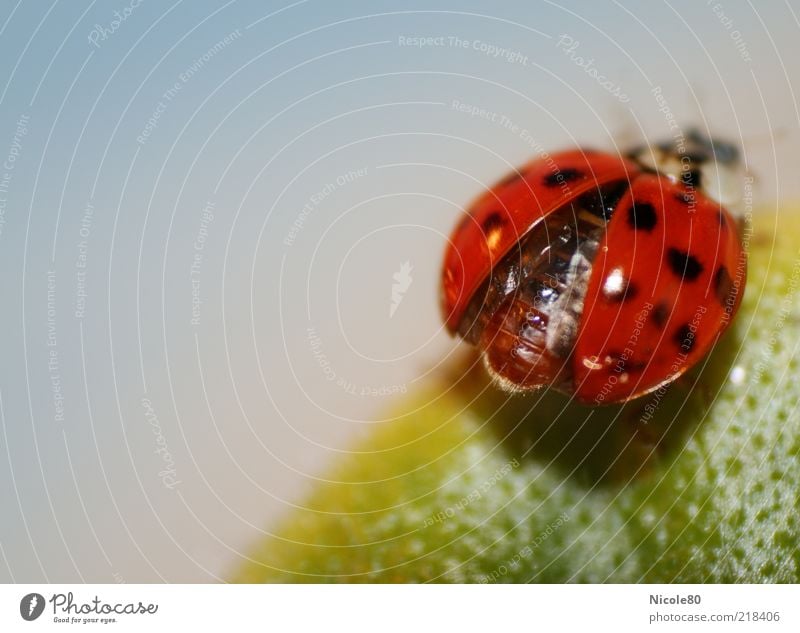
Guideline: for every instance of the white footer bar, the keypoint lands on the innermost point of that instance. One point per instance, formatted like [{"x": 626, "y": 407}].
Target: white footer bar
[{"x": 401, "y": 608}]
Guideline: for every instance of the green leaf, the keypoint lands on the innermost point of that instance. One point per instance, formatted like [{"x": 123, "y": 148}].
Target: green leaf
[{"x": 468, "y": 485}]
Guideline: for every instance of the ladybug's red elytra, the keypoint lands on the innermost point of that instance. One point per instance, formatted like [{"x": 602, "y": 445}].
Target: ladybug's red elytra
[{"x": 602, "y": 276}]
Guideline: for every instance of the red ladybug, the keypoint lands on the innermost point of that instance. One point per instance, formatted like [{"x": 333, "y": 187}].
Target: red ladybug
[{"x": 605, "y": 277}]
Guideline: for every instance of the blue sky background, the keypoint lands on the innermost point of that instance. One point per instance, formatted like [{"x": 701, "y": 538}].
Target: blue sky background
[{"x": 291, "y": 351}]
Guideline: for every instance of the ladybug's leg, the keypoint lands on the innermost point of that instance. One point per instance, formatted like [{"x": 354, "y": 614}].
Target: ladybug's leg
[
  {"x": 651, "y": 424},
  {"x": 639, "y": 438}
]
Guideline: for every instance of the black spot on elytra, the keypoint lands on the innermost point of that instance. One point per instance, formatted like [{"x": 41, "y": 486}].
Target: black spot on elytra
[
  {"x": 627, "y": 291},
  {"x": 603, "y": 201},
  {"x": 642, "y": 216},
  {"x": 493, "y": 222},
  {"x": 561, "y": 176},
  {"x": 684, "y": 265},
  {"x": 691, "y": 178},
  {"x": 685, "y": 197},
  {"x": 721, "y": 219},
  {"x": 660, "y": 314},
  {"x": 723, "y": 285},
  {"x": 684, "y": 338}
]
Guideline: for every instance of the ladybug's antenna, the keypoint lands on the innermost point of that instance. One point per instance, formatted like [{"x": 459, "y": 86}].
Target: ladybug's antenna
[{"x": 697, "y": 98}]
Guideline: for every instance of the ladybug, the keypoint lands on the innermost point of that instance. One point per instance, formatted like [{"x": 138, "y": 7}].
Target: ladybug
[{"x": 602, "y": 276}]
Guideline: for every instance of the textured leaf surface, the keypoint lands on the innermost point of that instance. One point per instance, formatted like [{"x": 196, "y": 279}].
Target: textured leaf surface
[{"x": 700, "y": 484}]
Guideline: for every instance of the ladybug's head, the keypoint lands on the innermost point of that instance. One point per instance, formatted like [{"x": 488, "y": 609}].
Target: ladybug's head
[{"x": 712, "y": 167}]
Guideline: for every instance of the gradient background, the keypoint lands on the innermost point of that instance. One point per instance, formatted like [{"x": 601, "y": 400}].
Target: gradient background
[{"x": 250, "y": 408}]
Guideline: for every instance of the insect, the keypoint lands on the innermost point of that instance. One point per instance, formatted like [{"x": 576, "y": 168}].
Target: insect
[{"x": 602, "y": 276}]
